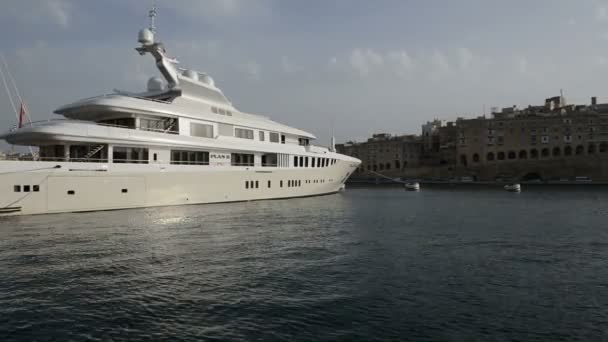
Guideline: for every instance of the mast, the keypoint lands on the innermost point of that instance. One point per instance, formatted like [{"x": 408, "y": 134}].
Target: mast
[{"x": 165, "y": 64}]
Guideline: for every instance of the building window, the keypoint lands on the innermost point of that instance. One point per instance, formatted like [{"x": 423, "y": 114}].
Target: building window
[
  {"x": 133, "y": 155},
  {"x": 201, "y": 130},
  {"x": 568, "y": 151},
  {"x": 523, "y": 154},
  {"x": 273, "y": 137},
  {"x": 501, "y": 156},
  {"x": 181, "y": 157},
  {"x": 544, "y": 152},
  {"x": 579, "y": 150},
  {"x": 242, "y": 159},
  {"x": 261, "y": 135}
]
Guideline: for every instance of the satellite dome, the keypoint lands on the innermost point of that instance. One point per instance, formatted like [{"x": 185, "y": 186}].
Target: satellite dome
[
  {"x": 208, "y": 80},
  {"x": 145, "y": 37},
  {"x": 155, "y": 84},
  {"x": 191, "y": 74}
]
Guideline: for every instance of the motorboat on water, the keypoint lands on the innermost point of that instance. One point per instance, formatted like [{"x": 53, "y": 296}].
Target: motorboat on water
[{"x": 513, "y": 187}]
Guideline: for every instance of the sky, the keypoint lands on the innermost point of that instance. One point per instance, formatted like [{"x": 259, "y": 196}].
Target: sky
[{"x": 348, "y": 68}]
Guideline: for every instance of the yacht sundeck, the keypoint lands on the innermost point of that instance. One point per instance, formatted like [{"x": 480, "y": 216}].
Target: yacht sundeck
[{"x": 180, "y": 142}]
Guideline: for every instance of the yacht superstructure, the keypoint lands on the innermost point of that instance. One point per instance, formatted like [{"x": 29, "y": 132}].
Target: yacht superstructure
[{"x": 180, "y": 142}]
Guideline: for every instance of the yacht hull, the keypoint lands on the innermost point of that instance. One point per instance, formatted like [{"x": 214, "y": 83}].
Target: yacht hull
[{"x": 53, "y": 187}]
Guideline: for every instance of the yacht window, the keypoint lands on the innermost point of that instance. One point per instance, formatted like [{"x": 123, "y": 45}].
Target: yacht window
[
  {"x": 221, "y": 111},
  {"x": 282, "y": 139},
  {"x": 17, "y": 188},
  {"x": 201, "y": 130},
  {"x": 281, "y": 184},
  {"x": 89, "y": 153},
  {"x": 257, "y": 184},
  {"x": 243, "y": 133},
  {"x": 313, "y": 162},
  {"x": 261, "y": 135},
  {"x": 183, "y": 157},
  {"x": 268, "y": 184},
  {"x": 26, "y": 188},
  {"x": 122, "y": 123},
  {"x": 163, "y": 125},
  {"x": 242, "y": 159},
  {"x": 301, "y": 161},
  {"x": 133, "y": 155},
  {"x": 36, "y": 188},
  {"x": 155, "y": 157},
  {"x": 274, "y": 137},
  {"x": 214, "y": 110},
  {"x": 71, "y": 192},
  {"x": 52, "y": 153},
  {"x": 306, "y": 162},
  {"x": 229, "y": 113},
  {"x": 269, "y": 159},
  {"x": 295, "y": 161},
  {"x": 246, "y": 184}
]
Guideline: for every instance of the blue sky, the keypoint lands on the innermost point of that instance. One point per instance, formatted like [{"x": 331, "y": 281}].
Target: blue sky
[{"x": 357, "y": 66}]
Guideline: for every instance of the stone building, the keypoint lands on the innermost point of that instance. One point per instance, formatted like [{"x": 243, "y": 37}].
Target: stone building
[
  {"x": 385, "y": 154},
  {"x": 551, "y": 143}
]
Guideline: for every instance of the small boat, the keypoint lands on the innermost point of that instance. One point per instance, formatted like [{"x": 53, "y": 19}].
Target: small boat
[
  {"x": 414, "y": 186},
  {"x": 515, "y": 187}
]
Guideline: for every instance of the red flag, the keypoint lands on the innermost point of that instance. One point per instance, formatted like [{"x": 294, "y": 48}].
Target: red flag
[{"x": 22, "y": 114}]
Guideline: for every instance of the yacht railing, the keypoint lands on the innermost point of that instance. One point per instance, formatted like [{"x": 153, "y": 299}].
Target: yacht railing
[
  {"x": 121, "y": 93},
  {"x": 46, "y": 122}
]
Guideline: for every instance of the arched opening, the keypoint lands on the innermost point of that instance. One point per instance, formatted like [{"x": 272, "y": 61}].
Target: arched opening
[
  {"x": 397, "y": 164},
  {"x": 381, "y": 166},
  {"x": 501, "y": 156},
  {"x": 603, "y": 147},
  {"x": 557, "y": 151},
  {"x": 388, "y": 166},
  {"x": 568, "y": 150},
  {"x": 375, "y": 167},
  {"x": 534, "y": 153},
  {"x": 476, "y": 158},
  {"x": 580, "y": 150},
  {"x": 490, "y": 156},
  {"x": 523, "y": 154},
  {"x": 511, "y": 155},
  {"x": 544, "y": 152},
  {"x": 463, "y": 160},
  {"x": 591, "y": 149}
]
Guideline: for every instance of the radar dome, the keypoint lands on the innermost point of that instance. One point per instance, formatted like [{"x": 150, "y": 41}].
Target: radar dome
[
  {"x": 145, "y": 37},
  {"x": 208, "y": 80},
  {"x": 155, "y": 84},
  {"x": 191, "y": 74}
]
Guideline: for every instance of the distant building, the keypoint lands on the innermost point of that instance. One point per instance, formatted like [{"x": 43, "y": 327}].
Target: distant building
[
  {"x": 385, "y": 153},
  {"x": 2, "y": 155},
  {"x": 554, "y": 141}
]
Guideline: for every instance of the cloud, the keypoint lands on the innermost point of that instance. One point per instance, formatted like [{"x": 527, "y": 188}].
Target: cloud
[
  {"x": 252, "y": 69},
  {"x": 465, "y": 58},
  {"x": 287, "y": 66},
  {"x": 365, "y": 60},
  {"x": 601, "y": 12},
  {"x": 217, "y": 9},
  {"x": 402, "y": 61},
  {"x": 46, "y": 13}
]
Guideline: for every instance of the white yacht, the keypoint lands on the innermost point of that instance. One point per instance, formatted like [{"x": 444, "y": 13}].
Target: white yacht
[{"x": 179, "y": 142}]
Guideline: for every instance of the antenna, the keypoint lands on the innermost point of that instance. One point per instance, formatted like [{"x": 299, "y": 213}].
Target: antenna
[{"x": 152, "y": 16}]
